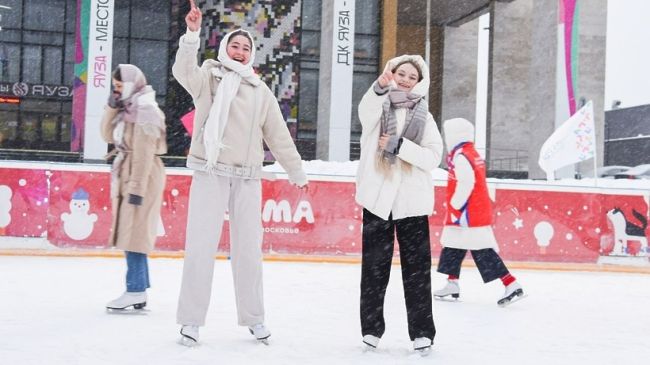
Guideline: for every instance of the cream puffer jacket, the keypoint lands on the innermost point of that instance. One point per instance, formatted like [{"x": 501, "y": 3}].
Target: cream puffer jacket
[
  {"x": 254, "y": 116},
  {"x": 405, "y": 194}
]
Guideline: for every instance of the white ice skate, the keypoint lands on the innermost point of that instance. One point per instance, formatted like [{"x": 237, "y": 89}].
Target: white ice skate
[
  {"x": 370, "y": 342},
  {"x": 450, "y": 292},
  {"x": 422, "y": 345},
  {"x": 513, "y": 293},
  {"x": 260, "y": 332},
  {"x": 128, "y": 301},
  {"x": 189, "y": 336}
]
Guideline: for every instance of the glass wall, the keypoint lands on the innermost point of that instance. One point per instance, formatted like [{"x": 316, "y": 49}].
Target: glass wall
[
  {"x": 37, "y": 49},
  {"x": 36, "y": 73},
  {"x": 141, "y": 37},
  {"x": 37, "y": 45}
]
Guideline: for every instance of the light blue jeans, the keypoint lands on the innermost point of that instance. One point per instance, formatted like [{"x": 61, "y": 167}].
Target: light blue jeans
[{"x": 137, "y": 272}]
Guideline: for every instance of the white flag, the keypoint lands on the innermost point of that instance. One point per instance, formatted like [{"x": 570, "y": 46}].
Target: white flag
[{"x": 574, "y": 141}]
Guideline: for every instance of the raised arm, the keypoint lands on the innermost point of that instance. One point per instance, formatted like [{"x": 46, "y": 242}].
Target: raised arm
[
  {"x": 185, "y": 69},
  {"x": 370, "y": 105}
]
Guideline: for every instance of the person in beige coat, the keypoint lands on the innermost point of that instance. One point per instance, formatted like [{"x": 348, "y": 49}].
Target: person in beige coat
[
  {"x": 400, "y": 145},
  {"x": 235, "y": 113},
  {"x": 133, "y": 122}
]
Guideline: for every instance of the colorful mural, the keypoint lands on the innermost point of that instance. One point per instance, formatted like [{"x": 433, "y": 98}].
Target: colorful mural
[{"x": 275, "y": 26}]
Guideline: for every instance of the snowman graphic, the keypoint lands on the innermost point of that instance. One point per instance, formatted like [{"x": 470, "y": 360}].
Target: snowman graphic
[
  {"x": 78, "y": 224},
  {"x": 5, "y": 207}
]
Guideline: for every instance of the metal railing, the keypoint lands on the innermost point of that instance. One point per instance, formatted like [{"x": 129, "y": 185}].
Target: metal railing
[{"x": 508, "y": 160}]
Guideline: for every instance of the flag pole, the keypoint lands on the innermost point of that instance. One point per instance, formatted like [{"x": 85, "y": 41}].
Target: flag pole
[
  {"x": 595, "y": 160},
  {"x": 595, "y": 149}
]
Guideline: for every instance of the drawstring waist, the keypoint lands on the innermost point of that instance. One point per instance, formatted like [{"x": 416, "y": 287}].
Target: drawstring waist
[{"x": 243, "y": 172}]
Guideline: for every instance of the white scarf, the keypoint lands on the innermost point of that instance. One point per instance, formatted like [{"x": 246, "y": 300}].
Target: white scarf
[{"x": 231, "y": 73}]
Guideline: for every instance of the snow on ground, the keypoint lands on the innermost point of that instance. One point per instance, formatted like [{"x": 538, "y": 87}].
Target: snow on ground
[
  {"x": 346, "y": 171},
  {"x": 52, "y": 312}
]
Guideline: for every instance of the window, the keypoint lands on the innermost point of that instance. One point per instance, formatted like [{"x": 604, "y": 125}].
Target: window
[
  {"x": 8, "y": 126},
  {"x": 151, "y": 58},
  {"x": 31, "y": 64},
  {"x": 10, "y": 61},
  {"x": 11, "y": 18},
  {"x": 150, "y": 19},
  {"x": 308, "y": 103},
  {"x": 52, "y": 71},
  {"x": 46, "y": 15}
]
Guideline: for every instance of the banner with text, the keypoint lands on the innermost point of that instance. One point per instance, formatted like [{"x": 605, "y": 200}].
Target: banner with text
[{"x": 100, "y": 54}]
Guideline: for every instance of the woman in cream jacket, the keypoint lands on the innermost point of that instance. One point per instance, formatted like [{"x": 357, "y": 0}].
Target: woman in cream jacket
[
  {"x": 400, "y": 146},
  {"x": 235, "y": 113}
]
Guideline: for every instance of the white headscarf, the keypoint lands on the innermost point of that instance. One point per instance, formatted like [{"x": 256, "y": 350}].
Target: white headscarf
[{"x": 231, "y": 73}]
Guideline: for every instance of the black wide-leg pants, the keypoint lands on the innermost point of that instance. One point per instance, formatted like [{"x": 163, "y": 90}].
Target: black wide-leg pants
[
  {"x": 378, "y": 237},
  {"x": 488, "y": 262}
]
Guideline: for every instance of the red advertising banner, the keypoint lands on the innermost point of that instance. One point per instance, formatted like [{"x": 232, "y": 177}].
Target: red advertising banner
[
  {"x": 24, "y": 202},
  {"x": 72, "y": 208}
]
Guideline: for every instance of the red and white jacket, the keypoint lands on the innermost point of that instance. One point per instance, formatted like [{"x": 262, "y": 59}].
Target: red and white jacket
[
  {"x": 477, "y": 209},
  {"x": 468, "y": 223}
]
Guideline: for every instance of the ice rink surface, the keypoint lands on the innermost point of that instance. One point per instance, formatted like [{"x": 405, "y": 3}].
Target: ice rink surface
[{"x": 52, "y": 312}]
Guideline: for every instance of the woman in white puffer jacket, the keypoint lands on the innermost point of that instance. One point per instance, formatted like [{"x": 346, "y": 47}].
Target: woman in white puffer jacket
[{"x": 400, "y": 145}]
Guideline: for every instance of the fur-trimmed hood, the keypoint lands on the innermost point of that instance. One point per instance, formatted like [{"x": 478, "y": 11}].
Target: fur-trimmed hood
[{"x": 422, "y": 87}]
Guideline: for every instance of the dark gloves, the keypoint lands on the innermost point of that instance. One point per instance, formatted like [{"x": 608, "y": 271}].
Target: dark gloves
[
  {"x": 115, "y": 101},
  {"x": 135, "y": 199},
  {"x": 393, "y": 145}
]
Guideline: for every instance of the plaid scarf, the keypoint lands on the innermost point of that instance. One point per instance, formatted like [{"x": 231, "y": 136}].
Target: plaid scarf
[{"x": 416, "y": 118}]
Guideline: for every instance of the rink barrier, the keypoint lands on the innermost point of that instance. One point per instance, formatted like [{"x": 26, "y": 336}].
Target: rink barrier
[
  {"x": 535, "y": 222},
  {"x": 356, "y": 260}
]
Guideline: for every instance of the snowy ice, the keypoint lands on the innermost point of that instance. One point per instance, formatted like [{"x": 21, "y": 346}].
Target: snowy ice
[{"x": 52, "y": 312}]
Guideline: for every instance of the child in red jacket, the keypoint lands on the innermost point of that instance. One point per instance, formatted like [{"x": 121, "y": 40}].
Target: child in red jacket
[{"x": 468, "y": 224}]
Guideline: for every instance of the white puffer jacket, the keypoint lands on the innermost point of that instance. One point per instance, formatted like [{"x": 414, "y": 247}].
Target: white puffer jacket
[{"x": 402, "y": 193}]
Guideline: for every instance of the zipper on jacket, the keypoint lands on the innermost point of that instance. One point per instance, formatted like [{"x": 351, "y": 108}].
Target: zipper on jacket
[
  {"x": 250, "y": 134},
  {"x": 381, "y": 187}
]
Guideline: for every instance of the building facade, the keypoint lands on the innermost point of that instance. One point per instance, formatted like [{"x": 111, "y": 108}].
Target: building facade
[
  {"x": 545, "y": 58},
  {"x": 50, "y": 70}
]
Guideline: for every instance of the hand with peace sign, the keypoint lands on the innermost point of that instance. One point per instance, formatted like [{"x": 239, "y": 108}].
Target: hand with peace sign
[
  {"x": 385, "y": 78},
  {"x": 193, "y": 17}
]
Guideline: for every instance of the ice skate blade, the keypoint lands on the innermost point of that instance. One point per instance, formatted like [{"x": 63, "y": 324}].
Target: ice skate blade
[
  {"x": 423, "y": 352},
  {"x": 127, "y": 311},
  {"x": 447, "y": 298},
  {"x": 187, "y": 341},
  {"x": 515, "y": 297},
  {"x": 368, "y": 347},
  {"x": 130, "y": 306},
  {"x": 264, "y": 340}
]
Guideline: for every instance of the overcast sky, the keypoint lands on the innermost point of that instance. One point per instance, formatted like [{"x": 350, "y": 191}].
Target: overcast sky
[{"x": 628, "y": 53}]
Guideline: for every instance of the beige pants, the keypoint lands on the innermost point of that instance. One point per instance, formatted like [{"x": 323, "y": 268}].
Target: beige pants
[{"x": 209, "y": 197}]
